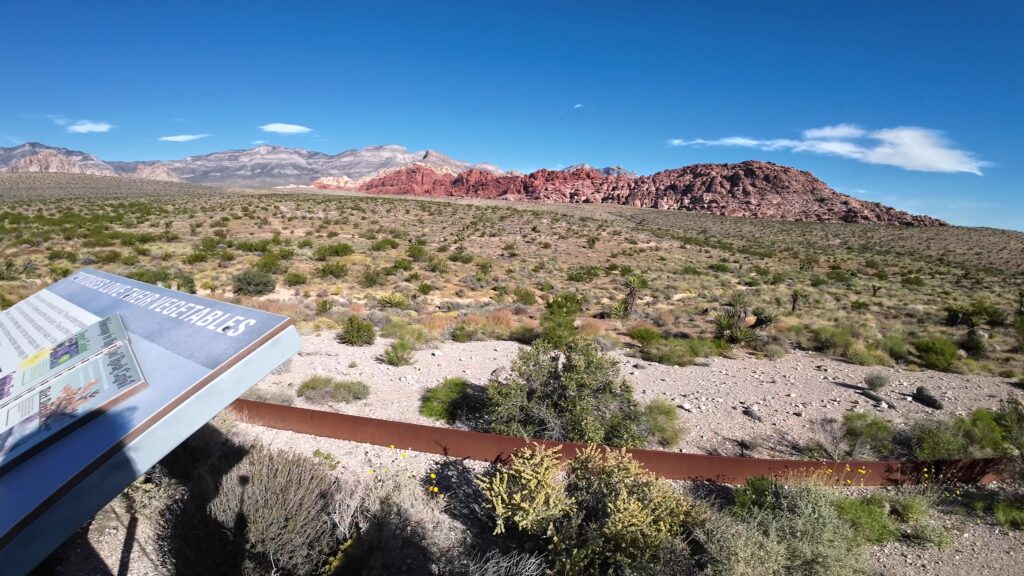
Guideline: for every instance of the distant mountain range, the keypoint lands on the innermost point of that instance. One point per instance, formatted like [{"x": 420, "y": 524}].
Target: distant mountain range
[
  {"x": 749, "y": 189},
  {"x": 260, "y": 166}
]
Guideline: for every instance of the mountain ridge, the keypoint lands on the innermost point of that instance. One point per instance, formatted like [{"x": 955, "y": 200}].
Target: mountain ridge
[{"x": 752, "y": 189}]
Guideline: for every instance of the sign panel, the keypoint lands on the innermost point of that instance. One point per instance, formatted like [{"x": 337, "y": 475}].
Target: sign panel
[
  {"x": 196, "y": 355},
  {"x": 61, "y": 386}
]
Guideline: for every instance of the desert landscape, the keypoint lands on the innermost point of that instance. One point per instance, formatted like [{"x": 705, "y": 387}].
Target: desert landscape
[{"x": 687, "y": 331}]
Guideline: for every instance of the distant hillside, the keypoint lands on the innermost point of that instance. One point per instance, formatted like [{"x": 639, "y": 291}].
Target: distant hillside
[
  {"x": 749, "y": 189},
  {"x": 262, "y": 166}
]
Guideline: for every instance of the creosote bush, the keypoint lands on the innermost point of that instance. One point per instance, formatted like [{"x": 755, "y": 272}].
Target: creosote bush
[
  {"x": 357, "y": 332},
  {"x": 447, "y": 400},
  {"x": 573, "y": 394},
  {"x": 253, "y": 283}
]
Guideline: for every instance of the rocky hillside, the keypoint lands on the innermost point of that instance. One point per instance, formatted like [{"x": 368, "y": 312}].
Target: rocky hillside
[
  {"x": 749, "y": 189},
  {"x": 259, "y": 166}
]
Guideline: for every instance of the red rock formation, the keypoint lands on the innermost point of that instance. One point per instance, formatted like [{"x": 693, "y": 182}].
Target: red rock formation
[{"x": 749, "y": 189}]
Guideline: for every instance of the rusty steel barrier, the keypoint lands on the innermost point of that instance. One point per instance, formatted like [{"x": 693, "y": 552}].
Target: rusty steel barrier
[{"x": 672, "y": 465}]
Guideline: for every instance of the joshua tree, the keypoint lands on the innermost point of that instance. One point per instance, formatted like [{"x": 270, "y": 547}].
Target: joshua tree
[
  {"x": 796, "y": 297},
  {"x": 634, "y": 284}
]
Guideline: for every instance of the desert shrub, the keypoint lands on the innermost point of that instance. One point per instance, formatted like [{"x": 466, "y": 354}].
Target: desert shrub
[
  {"x": 283, "y": 501},
  {"x": 936, "y": 353},
  {"x": 524, "y": 296},
  {"x": 185, "y": 283},
  {"x": 528, "y": 494},
  {"x": 357, "y": 332},
  {"x": 335, "y": 270},
  {"x": 325, "y": 251},
  {"x": 863, "y": 356},
  {"x": 462, "y": 332},
  {"x": 416, "y": 253},
  {"x": 384, "y": 244},
  {"x": 389, "y": 523},
  {"x": 895, "y": 346},
  {"x": 869, "y": 517},
  {"x": 733, "y": 547},
  {"x": 524, "y": 334},
  {"x": 608, "y": 516},
  {"x": 731, "y": 326},
  {"x": 460, "y": 255},
  {"x": 393, "y": 300},
  {"x": 425, "y": 288},
  {"x": 974, "y": 343},
  {"x": 984, "y": 434},
  {"x": 400, "y": 329},
  {"x": 866, "y": 434},
  {"x": 805, "y": 520},
  {"x": 398, "y": 353},
  {"x": 573, "y": 394},
  {"x": 875, "y": 381},
  {"x": 160, "y": 276},
  {"x": 558, "y": 323},
  {"x": 682, "y": 352},
  {"x": 662, "y": 422},
  {"x": 322, "y": 389},
  {"x": 372, "y": 276},
  {"x": 253, "y": 283},
  {"x": 832, "y": 340},
  {"x": 1008, "y": 514},
  {"x": 937, "y": 440},
  {"x": 444, "y": 401},
  {"x": 437, "y": 265},
  {"x": 323, "y": 306},
  {"x": 295, "y": 279},
  {"x": 644, "y": 335}
]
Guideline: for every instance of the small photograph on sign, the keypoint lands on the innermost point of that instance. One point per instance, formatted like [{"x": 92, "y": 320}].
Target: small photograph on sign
[{"x": 64, "y": 351}]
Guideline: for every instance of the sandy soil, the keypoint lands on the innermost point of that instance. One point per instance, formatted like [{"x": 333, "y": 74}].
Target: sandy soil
[{"x": 791, "y": 395}]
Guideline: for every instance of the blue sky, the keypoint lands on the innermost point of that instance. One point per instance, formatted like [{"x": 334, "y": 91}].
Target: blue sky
[{"x": 923, "y": 99}]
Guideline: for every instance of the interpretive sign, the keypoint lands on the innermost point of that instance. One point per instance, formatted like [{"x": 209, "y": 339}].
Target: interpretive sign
[
  {"x": 100, "y": 377},
  {"x": 61, "y": 386}
]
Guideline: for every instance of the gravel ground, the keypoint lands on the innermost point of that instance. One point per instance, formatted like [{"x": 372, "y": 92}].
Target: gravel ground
[{"x": 791, "y": 395}]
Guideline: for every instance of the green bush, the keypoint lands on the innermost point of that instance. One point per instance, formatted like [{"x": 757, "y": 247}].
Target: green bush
[
  {"x": 895, "y": 346},
  {"x": 372, "y": 276},
  {"x": 608, "y": 516},
  {"x": 644, "y": 335},
  {"x": 253, "y": 283},
  {"x": 357, "y": 332},
  {"x": 326, "y": 251},
  {"x": 335, "y": 270},
  {"x": 937, "y": 440},
  {"x": 295, "y": 279},
  {"x": 574, "y": 394},
  {"x": 384, "y": 244},
  {"x": 936, "y": 353},
  {"x": 869, "y": 517},
  {"x": 524, "y": 296},
  {"x": 462, "y": 333},
  {"x": 662, "y": 422},
  {"x": 682, "y": 352},
  {"x": 867, "y": 435},
  {"x": 1008, "y": 515},
  {"x": 399, "y": 353},
  {"x": 558, "y": 323},
  {"x": 444, "y": 401},
  {"x": 323, "y": 306},
  {"x": 322, "y": 389}
]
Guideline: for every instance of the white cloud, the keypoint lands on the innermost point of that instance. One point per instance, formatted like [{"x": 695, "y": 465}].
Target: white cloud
[
  {"x": 577, "y": 106},
  {"x": 182, "y": 137},
  {"x": 837, "y": 131},
  {"x": 258, "y": 142},
  {"x": 87, "y": 126},
  {"x": 907, "y": 147},
  {"x": 279, "y": 128}
]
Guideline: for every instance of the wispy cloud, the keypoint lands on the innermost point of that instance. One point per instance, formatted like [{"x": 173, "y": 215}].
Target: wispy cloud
[
  {"x": 907, "y": 147},
  {"x": 182, "y": 137},
  {"x": 577, "y": 106},
  {"x": 87, "y": 126},
  {"x": 258, "y": 142},
  {"x": 280, "y": 128}
]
